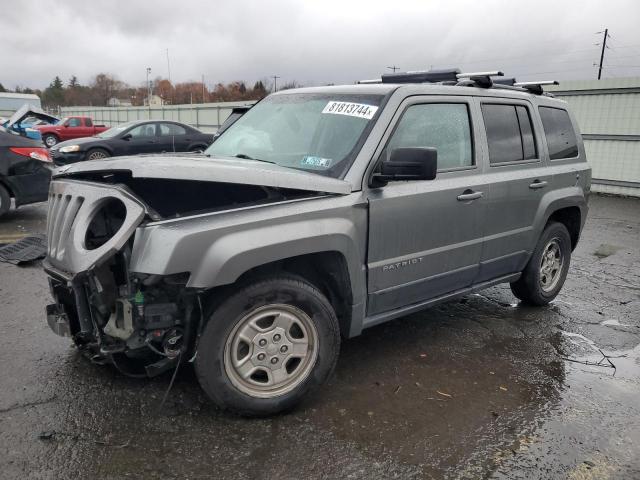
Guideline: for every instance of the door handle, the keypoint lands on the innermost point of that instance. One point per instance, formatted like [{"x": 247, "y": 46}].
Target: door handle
[
  {"x": 469, "y": 195},
  {"x": 538, "y": 184}
]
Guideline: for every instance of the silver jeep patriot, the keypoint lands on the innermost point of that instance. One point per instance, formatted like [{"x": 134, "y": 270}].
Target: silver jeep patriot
[{"x": 320, "y": 212}]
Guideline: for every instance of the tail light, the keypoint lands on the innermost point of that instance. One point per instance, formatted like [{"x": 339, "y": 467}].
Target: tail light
[{"x": 36, "y": 153}]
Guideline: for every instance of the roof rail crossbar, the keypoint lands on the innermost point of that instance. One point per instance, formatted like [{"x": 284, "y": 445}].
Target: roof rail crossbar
[
  {"x": 373, "y": 80},
  {"x": 426, "y": 76},
  {"x": 535, "y": 87},
  {"x": 478, "y": 79},
  {"x": 496, "y": 73}
]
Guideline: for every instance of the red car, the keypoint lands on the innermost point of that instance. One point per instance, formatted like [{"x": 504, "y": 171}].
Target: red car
[{"x": 68, "y": 129}]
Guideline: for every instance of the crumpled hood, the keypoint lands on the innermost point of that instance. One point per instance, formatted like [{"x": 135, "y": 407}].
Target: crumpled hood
[
  {"x": 29, "y": 111},
  {"x": 207, "y": 169}
]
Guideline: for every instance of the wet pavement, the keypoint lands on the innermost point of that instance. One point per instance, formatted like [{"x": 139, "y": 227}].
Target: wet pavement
[{"x": 476, "y": 388}]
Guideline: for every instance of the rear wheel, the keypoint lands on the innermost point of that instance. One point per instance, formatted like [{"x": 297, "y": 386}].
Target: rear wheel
[
  {"x": 268, "y": 346},
  {"x": 97, "y": 154},
  {"x": 49, "y": 140},
  {"x": 543, "y": 277},
  {"x": 5, "y": 200}
]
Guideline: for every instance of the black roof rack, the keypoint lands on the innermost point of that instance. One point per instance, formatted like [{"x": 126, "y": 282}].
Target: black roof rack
[
  {"x": 509, "y": 81},
  {"x": 453, "y": 76},
  {"x": 428, "y": 76}
]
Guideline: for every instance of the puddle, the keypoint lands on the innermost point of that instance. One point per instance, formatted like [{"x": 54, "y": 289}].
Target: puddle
[
  {"x": 606, "y": 250},
  {"x": 624, "y": 364},
  {"x": 614, "y": 323}
]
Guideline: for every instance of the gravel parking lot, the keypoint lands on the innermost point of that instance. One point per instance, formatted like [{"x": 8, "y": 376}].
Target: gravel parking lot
[{"x": 476, "y": 388}]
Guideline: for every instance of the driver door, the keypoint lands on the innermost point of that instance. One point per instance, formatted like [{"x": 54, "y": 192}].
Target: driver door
[
  {"x": 425, "y": 237},
  {"x": 143, "y": 139}
]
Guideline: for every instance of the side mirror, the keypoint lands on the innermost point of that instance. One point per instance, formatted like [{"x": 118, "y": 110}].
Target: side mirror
[
  {"x": 126, "y": 136},
  {"x": 65, "y": 125},
  {"x": 408, "y": 164}
]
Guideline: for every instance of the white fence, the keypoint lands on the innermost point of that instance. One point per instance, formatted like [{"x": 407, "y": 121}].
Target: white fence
[
  {"x": 204, "y": 116},
  {"x": 608, "y": 112}
]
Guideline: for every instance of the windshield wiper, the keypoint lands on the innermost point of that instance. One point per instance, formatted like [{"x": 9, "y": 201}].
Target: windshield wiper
[{"x": 244, "y": 156}]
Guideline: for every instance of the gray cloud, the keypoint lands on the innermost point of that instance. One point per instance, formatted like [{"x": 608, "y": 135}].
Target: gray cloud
[{"x": 312, "y": 42}]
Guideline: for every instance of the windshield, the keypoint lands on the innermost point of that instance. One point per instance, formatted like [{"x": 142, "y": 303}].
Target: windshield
[
  {"x": 115, "y": 131},
  {"x": 319, "y": 133}
]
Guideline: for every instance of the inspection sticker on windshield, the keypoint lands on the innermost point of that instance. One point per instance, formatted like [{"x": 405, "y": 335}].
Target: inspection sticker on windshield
[
  {"x": 316, "y": 162},
  {"x": 360, "y": 110}
]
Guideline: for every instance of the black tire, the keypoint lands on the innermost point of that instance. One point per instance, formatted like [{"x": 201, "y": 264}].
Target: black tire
[
  {"x": 529, "y": 287},
  {"x": 49, "y": 140},
  {"x": 98, "y": 153},
  {"x": 292, "y": 292},
  {"x": 5, "y": 200}
]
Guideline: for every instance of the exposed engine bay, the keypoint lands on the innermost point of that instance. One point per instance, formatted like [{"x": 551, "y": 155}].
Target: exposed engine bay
[{"x": 139, "y": 322}]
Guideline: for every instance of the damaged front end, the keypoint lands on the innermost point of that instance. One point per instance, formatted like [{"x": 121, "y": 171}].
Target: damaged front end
[
  {"x": 141, "y": 323},
  {"x": 123, "y": 251}
]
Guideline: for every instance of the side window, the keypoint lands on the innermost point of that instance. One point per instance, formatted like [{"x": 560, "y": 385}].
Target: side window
[
  {"x": 167, "y": 129},
  {"x": 509, "y": 133},
  {"x": 444, "y": 126},
  {"x": 74, "y": 122},
  {"x": 88, "y": 122},
  {"x": 143, "y": 131},
  {"x": 561, "y": 139}
]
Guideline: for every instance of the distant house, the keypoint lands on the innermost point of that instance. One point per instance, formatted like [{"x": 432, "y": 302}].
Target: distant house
[
  {"x": 155, "y": 101},
  {"x": 118, "y": 102}
]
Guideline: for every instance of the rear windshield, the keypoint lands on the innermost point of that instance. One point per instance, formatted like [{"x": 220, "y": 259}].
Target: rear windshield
[
  {"x": 317, "y": 132},
  {"x": 561, "y": 138}
]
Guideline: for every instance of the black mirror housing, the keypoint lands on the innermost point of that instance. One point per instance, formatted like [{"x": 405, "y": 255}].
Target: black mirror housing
[
  {"x": 414, "y": 163},
  {"x": 126, "y": 136}
]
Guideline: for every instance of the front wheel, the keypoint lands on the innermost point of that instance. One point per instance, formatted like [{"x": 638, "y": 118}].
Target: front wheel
[
  {"x": 544, "y": 275},
  {"x": 267, "y": 346},
  {"x": 97, "y": 154},
  {"x": 50, "y": 140}
]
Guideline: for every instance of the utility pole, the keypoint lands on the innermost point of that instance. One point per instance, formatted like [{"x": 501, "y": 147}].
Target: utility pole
[
  {"x": 203, "y": 88},
  {"x": 275, "y": 82},
  {"x": 168, "y": 67},
  {"x": 604, "y": 45},
  {"x": 149, "y": 92},
  {"x": 394, "y": 68}
]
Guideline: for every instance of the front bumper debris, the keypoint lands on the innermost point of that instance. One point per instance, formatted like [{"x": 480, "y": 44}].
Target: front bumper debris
[{"x": 58, "y": 320}]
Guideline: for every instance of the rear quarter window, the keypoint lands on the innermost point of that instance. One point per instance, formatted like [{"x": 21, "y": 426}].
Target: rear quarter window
[
  {"x": 509, "y": 133},
  {"x": 558, "y": 130}
]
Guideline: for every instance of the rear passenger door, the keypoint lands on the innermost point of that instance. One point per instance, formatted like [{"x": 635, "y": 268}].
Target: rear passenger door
[
  {"x": 173, "y": 138},
  {"x": 425, "y": 237},
  {"x": 518, "y": 179}
]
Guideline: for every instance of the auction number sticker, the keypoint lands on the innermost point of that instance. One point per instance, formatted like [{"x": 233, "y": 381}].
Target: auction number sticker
[
  {"x": 316, "y": 162},
  {"x": 359, "y": 110}
]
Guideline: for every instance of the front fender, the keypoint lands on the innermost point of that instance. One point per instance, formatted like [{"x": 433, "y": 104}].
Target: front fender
[{"x": 218, "y": 255}]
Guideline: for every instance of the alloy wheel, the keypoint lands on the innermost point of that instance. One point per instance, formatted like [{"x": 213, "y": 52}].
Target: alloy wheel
[
  {"x": 551, "y": 265},
  {"x": 271, "y": 351}
]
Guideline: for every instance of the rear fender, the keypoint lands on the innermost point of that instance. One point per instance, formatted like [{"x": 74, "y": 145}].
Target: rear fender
[{"x": 556, "y": 200}]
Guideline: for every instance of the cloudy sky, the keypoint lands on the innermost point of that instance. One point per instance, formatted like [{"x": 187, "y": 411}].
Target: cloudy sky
[{"x": 314, "y": 43}]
